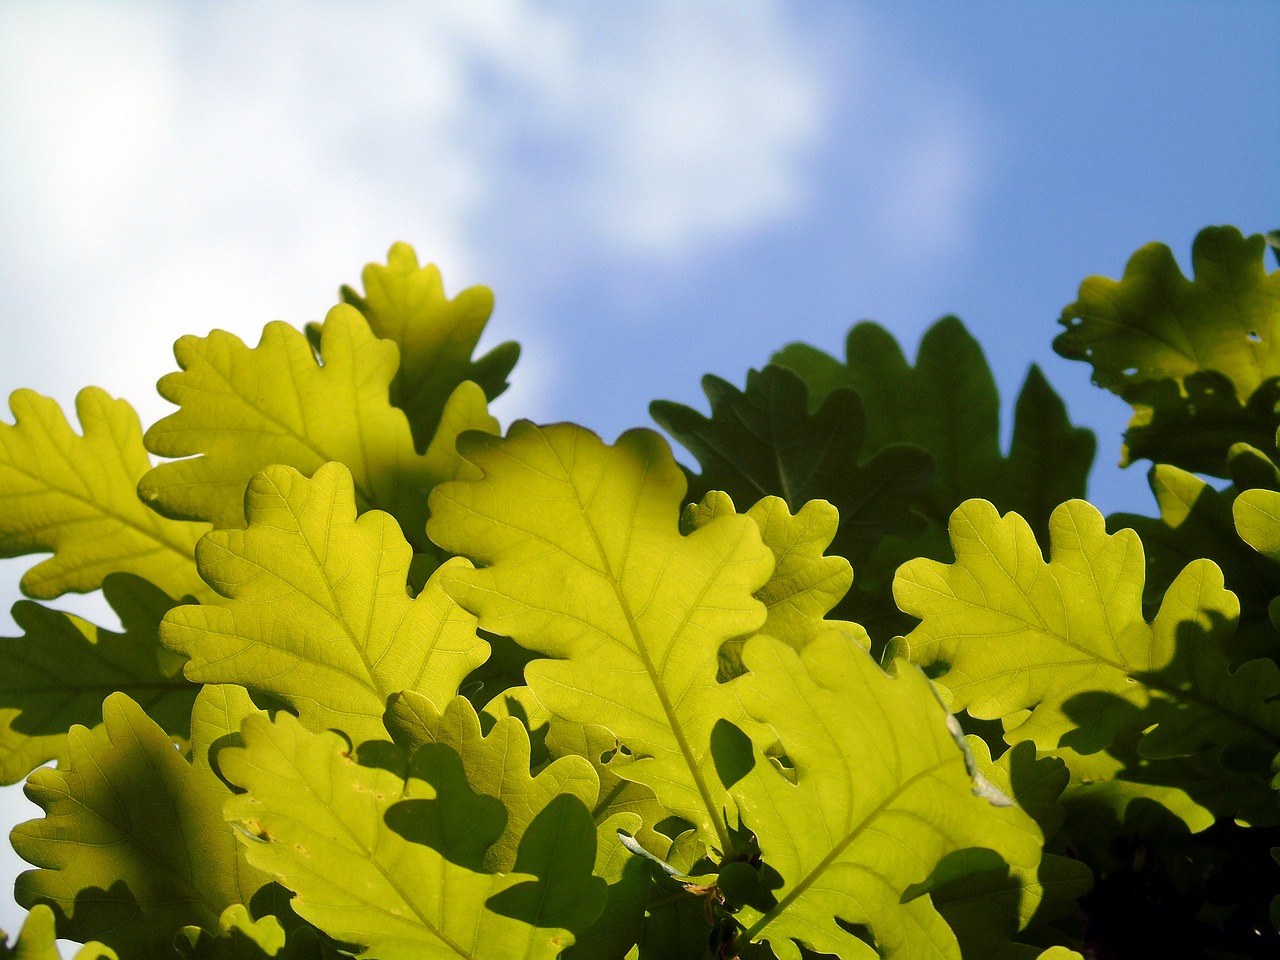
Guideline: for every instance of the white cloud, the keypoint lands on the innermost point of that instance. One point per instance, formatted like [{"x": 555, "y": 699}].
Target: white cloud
[
  {"x": 714, "y": 145},
  {"x": 168, "y": 169}
]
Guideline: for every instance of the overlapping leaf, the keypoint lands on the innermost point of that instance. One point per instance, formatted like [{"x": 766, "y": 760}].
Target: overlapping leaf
[
  {"x": 806, "y": 583},
  {"x": 1197, "y": 521},
  {"x": 501, "y": 760},
  {"x": 320, "y": 614},
  {"x": 1195, "y": 422},
  {"x": 947, "y": 403},
  {"x": 883, "y": 805},
  {"x": 244, "y": 409},
  {"x": 243, "y": 938},
  {"x": 497, "y": 765},
  {"x": 323, "y": 823},
  {"x": 987, "y": 910},
  {"x": 133, "y": 845},
  {"x": 1190, "y": 355},
  {"x": 582, "y": 560},
  {"x": 38, "y": 941},
  {"x": 75, "y": 495},
  {"x": 647, "y": 907},
  {"x": 1256, "y": 513},
  {"x": 1061, "y": 652},
  {"x": 1257, "y": 518},
  {"x": 405, "y": 303},
  {"x": 765, "y": 442},
  {"x": 58, "y": 672},
  {"x": 1155, "y": 324}
]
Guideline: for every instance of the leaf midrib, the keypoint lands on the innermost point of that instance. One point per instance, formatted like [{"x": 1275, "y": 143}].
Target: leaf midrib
[
  {"x": 639, "y": 642},
  {"x": 103, "y": 511},
  {"x": 839, "y": 848}
]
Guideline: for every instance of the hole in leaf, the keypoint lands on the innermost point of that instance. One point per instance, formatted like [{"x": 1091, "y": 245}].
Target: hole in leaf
[
  {"x": 859, "y": 930},
  {"x": 672, "y": 827},
  {"x": 1253, "y": 337},
  {"x": 781, "y": 762},
  {"x": 1130, "y": 371}
]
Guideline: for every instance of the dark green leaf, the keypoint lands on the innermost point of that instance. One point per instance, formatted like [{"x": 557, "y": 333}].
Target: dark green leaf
[{"x": 764, "y": 442}]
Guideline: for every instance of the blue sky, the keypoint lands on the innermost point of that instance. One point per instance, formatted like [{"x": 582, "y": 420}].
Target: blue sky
[{"x": 654, "y": 191}]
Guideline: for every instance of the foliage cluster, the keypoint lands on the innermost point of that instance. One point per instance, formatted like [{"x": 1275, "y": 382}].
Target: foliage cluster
[{"x": 390, "y": 684}]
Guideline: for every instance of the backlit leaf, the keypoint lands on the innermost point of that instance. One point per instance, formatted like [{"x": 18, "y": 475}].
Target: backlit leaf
[
  {"x": 215, "y": 725},
  {"x": 645, "y": 906},
  {"x": 241, "y": 938},
  {"x": 1197, "y": 521},
  {"x": 243, "y": 409},
  {"x": 321, "y": 823},
  {"x": 57, "y": 674},
  {"x": 133, "y": 845},
  {"x": 1194, "y": 423},
  {"x": 436, "y": 335},
  {"x": 1154, "y": 325},
  {"x": 1061, "y": 652},
  {"x": 320, "y": 614},
  {"x": 497, "y": 765},
  {"x": 1257, "y": 517},
  {"x": 501, "y": 760},
  {"x": 582, "y": 560},
  {"x": 806, "y": 583},
  {"x": 38, "y": 941},
  {"x": 988, "y": 910},
  {"x": 948, "y": 405},
  {"x": 76, "y": 496},
  {"x": 883, "y": 805}
]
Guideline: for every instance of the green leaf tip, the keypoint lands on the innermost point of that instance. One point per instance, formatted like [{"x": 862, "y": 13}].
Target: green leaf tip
[
  {"x": 242, "y": 409},
  {"x": 807, "y": 581},
  {"x": 320, "y": 612},
  {"x": 75, "y": 495},
  {"x": 406, "y": 304},
  {"x": 38, "y": 941}
]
